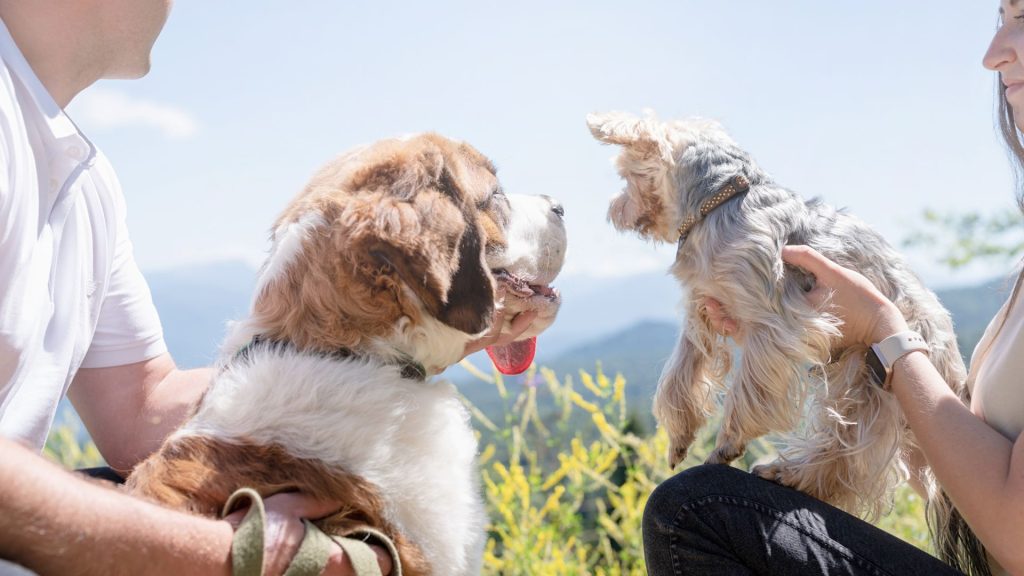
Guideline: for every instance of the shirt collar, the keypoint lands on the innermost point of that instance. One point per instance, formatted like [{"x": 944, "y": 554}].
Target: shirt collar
[{"x": 60, "y": 125}]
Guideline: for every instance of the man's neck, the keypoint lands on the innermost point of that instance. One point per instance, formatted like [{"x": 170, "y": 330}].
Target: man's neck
[{"x": 62, "y": 60}]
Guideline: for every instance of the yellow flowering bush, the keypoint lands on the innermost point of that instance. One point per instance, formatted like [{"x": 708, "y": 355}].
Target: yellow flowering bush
[
  {"x": 64, "y": 447},
  {"x": 566, "y": 490}
]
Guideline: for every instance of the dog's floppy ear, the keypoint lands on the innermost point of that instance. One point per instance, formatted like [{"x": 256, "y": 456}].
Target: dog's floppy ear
[
  {"x": 649, "y": 203},
  {"x": 441, "y": 257},
  {"x": 470, "y": 301},
  {"x": 645, "y": 136},
  {"x": 455, "y": 288}
]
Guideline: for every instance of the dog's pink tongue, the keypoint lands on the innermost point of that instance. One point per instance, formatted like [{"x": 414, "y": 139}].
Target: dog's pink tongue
[{"x": 513, "y": 358}]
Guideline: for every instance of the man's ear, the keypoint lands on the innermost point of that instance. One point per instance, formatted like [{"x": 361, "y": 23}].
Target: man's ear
[{"x": 643, "y": 136}]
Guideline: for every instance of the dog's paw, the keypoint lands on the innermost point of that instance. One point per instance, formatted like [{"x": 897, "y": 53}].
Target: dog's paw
[
  {"x": 776, "y": 471},
  {"x": 676, "y": 454},
  {"x": 724, "y": 454}
]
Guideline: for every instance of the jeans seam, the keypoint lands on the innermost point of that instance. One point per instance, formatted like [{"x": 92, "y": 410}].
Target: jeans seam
[{"x": 779, "y": 515}]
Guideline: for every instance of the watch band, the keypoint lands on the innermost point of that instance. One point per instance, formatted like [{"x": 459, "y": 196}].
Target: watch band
[{"x": 891, "y": 349}]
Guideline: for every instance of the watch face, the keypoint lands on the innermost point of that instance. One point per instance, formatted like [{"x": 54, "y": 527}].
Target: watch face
[{"x": 875, "y": 367}]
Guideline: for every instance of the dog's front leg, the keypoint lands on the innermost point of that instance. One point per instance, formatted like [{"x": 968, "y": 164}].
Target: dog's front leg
[
  {"x": 683, "y": 399},
  {"x": 769, "y": 390}
]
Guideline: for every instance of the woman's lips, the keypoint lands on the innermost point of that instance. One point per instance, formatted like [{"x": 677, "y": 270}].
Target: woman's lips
[{"x": 1014, "y": 88}]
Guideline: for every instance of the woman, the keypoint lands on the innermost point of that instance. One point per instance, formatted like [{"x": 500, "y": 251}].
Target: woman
[{"x": 712, "y": 520}]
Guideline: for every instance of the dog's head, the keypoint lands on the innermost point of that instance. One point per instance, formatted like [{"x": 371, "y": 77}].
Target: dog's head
[
  {"x": 400, "y": 249},
  {"x": 669, "y": 169}
]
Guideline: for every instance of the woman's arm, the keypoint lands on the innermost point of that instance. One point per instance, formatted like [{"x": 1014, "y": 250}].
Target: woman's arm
[{"x": 980, "y": 469}]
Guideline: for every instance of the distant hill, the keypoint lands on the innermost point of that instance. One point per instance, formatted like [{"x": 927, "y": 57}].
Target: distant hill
[
  {"x": 640, "y": 350},
  {"x": 637, "y": 352},
  {"x": 972, "y": 309},
  {"x": 196, "y": 302},
  {"x": 595, "y": 307},
  {"x": 630, "y": 325},
  {"x": 195, "y": 305}
]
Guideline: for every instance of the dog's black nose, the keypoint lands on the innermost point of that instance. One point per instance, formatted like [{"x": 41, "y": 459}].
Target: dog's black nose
[{"x": 555, "y": 206}]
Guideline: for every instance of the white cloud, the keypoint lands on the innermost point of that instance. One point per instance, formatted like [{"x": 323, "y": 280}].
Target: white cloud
[{"x": 105, "y": 109}]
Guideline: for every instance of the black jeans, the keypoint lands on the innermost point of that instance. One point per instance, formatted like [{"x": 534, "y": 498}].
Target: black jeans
[
  {"x": 716, "y": 520},
  {"x": 103, "y": 473}
]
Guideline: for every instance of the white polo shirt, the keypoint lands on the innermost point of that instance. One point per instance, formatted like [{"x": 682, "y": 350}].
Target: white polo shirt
[{"x": 71, "y": 295}]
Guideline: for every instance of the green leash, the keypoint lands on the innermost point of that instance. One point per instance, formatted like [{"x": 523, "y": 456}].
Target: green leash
[{"x": 314, "y": 551}]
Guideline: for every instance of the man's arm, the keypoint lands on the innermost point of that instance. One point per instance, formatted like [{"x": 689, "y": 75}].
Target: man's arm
[
  {"x": 55, "y": 523},
  {"x": 130, "y": 409}
]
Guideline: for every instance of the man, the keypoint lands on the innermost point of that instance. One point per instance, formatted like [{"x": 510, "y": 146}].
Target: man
[{"x": 76, "y": 316}]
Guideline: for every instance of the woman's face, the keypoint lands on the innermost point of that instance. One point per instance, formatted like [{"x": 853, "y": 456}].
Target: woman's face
[{"x": 1005, "y": 53}]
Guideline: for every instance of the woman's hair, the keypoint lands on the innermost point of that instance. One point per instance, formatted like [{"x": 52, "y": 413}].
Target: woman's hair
[
  {"x": 1012, "y": 137},
  {"x": 1014, "y": 141}
]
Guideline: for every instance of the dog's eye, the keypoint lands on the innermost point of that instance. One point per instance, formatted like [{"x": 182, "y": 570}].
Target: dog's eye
[{"x": 496, "y": 195}]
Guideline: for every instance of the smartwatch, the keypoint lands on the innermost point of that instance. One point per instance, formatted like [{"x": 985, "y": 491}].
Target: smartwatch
[{"x": 882, "y": 355}]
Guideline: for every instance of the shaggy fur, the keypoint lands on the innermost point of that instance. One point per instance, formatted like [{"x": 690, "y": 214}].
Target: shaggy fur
[
  {"x": 396, "y": 255},
  {"x": 849, "y": 448}
]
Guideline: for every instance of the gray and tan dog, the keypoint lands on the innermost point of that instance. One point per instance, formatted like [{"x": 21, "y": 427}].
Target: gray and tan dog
[{"x": 687, "y": 182}]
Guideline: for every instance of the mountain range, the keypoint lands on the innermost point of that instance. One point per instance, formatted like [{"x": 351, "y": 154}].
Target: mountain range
[{"x": 629, "y": 325}]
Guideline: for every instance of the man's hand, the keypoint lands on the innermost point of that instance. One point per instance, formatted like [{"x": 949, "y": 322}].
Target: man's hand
[
  {"x": 284, "y": 531},
  {"x": 520, "y": 323}
]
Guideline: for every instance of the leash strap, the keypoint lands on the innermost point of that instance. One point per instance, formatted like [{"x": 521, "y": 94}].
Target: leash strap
[
  {"x": 311, "y": 557},
  {"x": 363, "y": 558},
  {"x": 247, "y": 544},
  {"x": 314, "y": 551}
]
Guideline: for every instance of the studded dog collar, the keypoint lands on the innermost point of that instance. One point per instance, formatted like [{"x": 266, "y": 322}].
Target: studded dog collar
[{"x": 736, "y": 185}]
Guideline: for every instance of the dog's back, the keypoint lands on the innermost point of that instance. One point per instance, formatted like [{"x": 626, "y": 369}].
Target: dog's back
[{"x": 398, "y": 453}]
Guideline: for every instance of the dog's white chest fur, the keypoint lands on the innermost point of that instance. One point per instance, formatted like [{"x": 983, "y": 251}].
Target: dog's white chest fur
[{"x": 412, "y": 439}]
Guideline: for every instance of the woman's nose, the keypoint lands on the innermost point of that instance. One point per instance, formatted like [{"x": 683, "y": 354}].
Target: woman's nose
[{"x": 1000, "y": 50}]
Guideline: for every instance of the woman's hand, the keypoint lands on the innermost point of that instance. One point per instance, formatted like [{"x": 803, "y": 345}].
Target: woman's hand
[
  {"x": 284, "y": 531},
  {"x": 496, "y": 337},
  {"x": 868, "y": 316}
]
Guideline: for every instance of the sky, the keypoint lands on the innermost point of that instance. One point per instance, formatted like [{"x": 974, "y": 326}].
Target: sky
[{"x": 877, "y": 106}]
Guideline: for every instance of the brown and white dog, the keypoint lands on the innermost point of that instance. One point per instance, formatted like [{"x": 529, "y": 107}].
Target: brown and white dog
[{"x": 393, "y": 258}]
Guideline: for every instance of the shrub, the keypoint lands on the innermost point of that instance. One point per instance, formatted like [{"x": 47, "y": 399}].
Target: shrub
[{"x": 566, "y": 478}]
